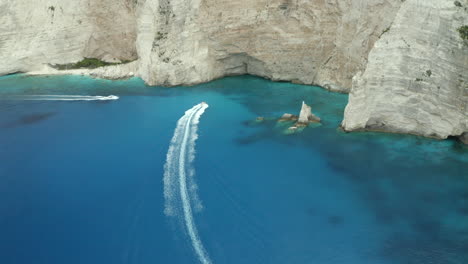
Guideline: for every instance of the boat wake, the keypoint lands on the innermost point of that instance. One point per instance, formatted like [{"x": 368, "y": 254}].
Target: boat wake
[
  {"x": 62, "y": 97},
  {"x": 179, "y": 185}
]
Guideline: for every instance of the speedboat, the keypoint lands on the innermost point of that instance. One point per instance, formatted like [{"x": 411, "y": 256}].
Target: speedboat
[{"x": 110, "y": 97}]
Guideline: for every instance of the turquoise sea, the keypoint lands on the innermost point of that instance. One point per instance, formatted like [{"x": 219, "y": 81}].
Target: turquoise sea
[{"x": 81, "y": 182}]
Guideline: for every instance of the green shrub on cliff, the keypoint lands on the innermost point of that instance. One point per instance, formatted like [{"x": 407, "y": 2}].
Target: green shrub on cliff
[
  {"x": 88, "y": 63},
  {"x": 91, "y": 63},
  {"x": 463, "y": 30}
]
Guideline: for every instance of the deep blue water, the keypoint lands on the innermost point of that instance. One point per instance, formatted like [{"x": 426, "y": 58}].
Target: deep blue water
[{"x": 82, "y": 182}]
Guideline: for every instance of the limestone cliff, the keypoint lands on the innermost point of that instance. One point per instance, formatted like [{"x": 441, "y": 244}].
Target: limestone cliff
[
  {"x": 321, "y": 42},
  {"x": 33, "y": 33},
  {"x": 408, "y": 62},
  {"x": 416, "y": 80},
  {"x": 324, "y": 42}
]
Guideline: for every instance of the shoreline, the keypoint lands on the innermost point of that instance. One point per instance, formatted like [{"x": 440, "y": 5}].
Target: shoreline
[{"x": 128, "y": 71}]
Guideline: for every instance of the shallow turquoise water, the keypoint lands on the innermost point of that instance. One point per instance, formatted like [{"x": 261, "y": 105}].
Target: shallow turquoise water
[{"x": 81, "y": 182}]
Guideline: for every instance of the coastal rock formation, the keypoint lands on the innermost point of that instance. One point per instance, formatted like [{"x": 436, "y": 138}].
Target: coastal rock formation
[
  {"x": 416, "y": 80},
  {"x": 303, "y": 120},
  {"x": 288, "y": 117},
  {"x": 318, "y": 42},
  {"x": 408, "y": 62},
  {"x": 114, "y": 72},
  {"x": 306, "y": 116},
  {"x": 188, "y": 41}
]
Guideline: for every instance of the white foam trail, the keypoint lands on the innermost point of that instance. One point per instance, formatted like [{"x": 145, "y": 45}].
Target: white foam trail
[
  {"x": 180, "y": 155},
  {"x": 54, "y": 97}
]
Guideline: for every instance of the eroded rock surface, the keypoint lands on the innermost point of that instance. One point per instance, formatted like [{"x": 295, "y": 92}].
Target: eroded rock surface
[
  {"x": 311, "y": 42},
  {"x": 416, "y": 80},
  {"x": 34, "y": 33},
  {"x": 288, "y": 117},
  {"x": 190, "y": 41},
  {"x": 306, "y": 116}
]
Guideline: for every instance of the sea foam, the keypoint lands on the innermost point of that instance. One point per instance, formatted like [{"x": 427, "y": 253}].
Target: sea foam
[{"x": 180, "y": 189}]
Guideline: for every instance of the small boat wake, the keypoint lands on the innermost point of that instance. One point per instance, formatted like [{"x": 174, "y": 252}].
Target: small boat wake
[
  {"x": 179, "y": 185},
  {"x": 62, "y": 97}
]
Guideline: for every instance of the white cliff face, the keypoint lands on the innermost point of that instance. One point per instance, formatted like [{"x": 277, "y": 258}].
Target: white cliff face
[
  {"x": 30, "y": 36},
  {"x": 306, "y": 112},
  {"x": 171, "y": 47},
  {"x": 322, "y": 42},
  {"x": 306, "y": 116},
  {"x": 59, "y": 32},
  {"x": 114, "y": 31},
  {"x": 416, "y": 80},
  {"x": 319, "y": 42}
]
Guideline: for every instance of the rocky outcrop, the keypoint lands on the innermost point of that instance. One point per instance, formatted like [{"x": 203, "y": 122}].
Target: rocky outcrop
[
  {"x": 303, "y": 120},
  {"x": 189, "y": 41},
  {"x": 416, "y": 79},
  {"x": 321, "y": 42},
  {"x": 306, "y": 116},
  {"x": 408, "y": 62},
  {"x": 288, "y": 117}
]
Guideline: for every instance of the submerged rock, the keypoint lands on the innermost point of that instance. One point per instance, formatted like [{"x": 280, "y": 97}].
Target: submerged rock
[
  {"x": 288, "y": 117},
  {"x": 304, "y": 119}
]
